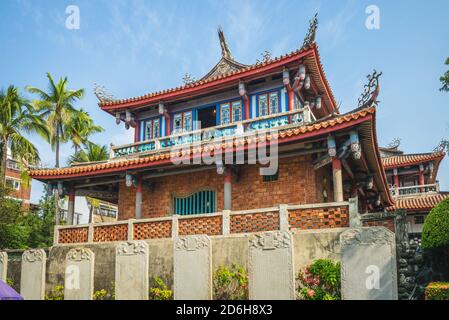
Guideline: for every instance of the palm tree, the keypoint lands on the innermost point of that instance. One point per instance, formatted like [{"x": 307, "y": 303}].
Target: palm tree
[
  {"x": 92, "y": 152},
  {"x": 57, "y": 109},
  {"x": 80, "y": 127},
  {"x": 18, "y": 116}
]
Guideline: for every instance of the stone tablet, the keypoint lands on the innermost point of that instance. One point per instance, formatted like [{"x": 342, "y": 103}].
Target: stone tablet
[
  {"x": 131, "y": 271},
  {"x": 32, "y": 279},
  {"x": 368, "y": 264},
  {"x": 3, "y": 265},
  {"x": 270, "y": 266},
  {"x": 79, "y": 274},
  {"x": 192, "y": 268}
]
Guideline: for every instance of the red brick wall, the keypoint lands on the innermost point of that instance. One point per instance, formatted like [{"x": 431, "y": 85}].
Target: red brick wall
[
  {"x": 296, "y": 184},
  {"x": 387, "y": 223}
]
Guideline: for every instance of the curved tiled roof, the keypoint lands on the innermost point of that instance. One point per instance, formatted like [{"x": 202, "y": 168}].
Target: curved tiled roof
[
  {"x": 418, "y": 203},
  {"x": 319, "y": 127},
  {"x": 106, "y": 105},
  {"x": 411, "y": 159}
]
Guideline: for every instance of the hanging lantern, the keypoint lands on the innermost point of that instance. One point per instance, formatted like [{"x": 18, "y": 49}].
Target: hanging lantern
[
  {"x": 242, "y": 89},
  {"x": 307, "y": 82},
  {"x": 128, "y": 180},
  {"x": 302, "y": 72},
  {"x": 161, "y": 108},
  {"x": 286, "y": 77},
  {"x": 318, "y": 103},
  {"x": 117, "y": 118}
]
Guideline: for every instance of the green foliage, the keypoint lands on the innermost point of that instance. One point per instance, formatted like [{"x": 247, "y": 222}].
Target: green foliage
[
  {"x": 101, "y": 295},
  {"x": 57, "y": 293},
  {"x": 437, "y": 291},
  {"x": 230, "y": 283},
  {"x": 435, "y": 233},
  {"x": 445, "y": 78},
  {"x": 20, "y": 229},
  {"x": 320, "y": 281},
  {"x": 10, "y": 282},
  {"x": 160, "y": 291},
  {"x": 91, "y": 152}
]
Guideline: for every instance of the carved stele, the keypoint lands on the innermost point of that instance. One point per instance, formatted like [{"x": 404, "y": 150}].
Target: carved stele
[
  {"x": 79, "y": 274},
  {"x": 192, "y": 268},
  {"x": 270, "y": 266},
  {"x": 131, "y": 271},
  {"x": 32, "y": 278},
  {"x": 368, "y": 264},
  {"x": 3, "y": 265},
  {"x": 79, "y": 254}
]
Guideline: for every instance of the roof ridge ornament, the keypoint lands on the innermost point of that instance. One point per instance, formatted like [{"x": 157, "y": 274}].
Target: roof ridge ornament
[
  {"x": 225, "y": 52},
  {"x": 371, "y": 90},
  {"x": 265, "y": 57},
  {"x": 394, "y": 144},
  {"x": 188, "y": 79},
  {"x": 310, "y": 37},
  {"x": 102, "y": 94}
]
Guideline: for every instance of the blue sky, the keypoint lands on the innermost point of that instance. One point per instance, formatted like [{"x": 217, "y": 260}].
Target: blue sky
[{"x": 136, "y": 47}]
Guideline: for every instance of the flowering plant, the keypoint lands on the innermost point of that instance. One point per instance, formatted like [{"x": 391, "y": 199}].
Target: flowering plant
[{"x": 320, "y": 281}]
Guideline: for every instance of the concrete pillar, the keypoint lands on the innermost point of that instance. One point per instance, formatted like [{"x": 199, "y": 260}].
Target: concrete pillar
[
  {"x": 139, "y": 198},
  {"x": 71, "y": 207},
  {"x": 355, "y": 220},
  {"x": 228, "y": 189},
  {"x": 338, "y": 179}
]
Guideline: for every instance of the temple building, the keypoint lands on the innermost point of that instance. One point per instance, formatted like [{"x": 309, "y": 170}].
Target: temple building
[
  {"x": 248, "y": 118},
  {"x": 413, "y": 183}
]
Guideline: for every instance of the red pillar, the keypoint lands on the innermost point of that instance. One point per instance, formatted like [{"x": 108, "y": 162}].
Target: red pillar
[
  {"x": 246, "y": 106},
  {"x": 291, "y": 99},
  {"x": 421, "y": 177},
  {"x": 136, "y": 131},
  {"x": 167, "y": 124}
]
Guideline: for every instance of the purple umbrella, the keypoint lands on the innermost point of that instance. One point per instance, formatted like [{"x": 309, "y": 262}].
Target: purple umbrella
[{"x": 8, "y": 293}]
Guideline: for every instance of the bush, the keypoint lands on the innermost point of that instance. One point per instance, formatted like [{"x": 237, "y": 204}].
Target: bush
[
  {"x": 320, "y": 281},
  {"x": 435, "y": 233},
  {"x": 230, "y": 283},
  {"x": 160, "y": 290},
  {"x": 57, "y": 293},
  {"x": 437, "y": 291},
  {"x": 100, "y": 295}
]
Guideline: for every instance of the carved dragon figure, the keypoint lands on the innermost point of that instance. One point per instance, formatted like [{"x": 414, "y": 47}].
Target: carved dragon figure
[
  {"x": 371, "y": 90},
  {"x": 310, "y": 37},
  {"x": 102, "y": 94}
]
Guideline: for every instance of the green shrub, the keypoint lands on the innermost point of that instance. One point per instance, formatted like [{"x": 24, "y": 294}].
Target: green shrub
[
  {"x": 10, "y": 282},
  {"x": 57, "y": 293},
  {"x": 100, "y": 295},
  {"x": 435, "y": 233},
  {"x": 437, "y": 291},
  {"x": 230, "y": 283},
  {"x": 320, "y": 281},
  {"x": 160, "y": 290}
]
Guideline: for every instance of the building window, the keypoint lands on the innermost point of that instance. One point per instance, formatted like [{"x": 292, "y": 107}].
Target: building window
[
  {"x": 268, "y": 103},
  {"x": 419, "y": 219},
  {"x": 13, "y": 184},
  {"x": 152, "y": 129},
  {"x": 231, "y": 112},
  {"x": 197, "y": 203},
  {"x": 182, "y": 122}
]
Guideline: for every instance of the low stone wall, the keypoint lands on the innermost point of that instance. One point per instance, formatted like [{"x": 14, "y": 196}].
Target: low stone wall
[{"x": 226, "y": 250}]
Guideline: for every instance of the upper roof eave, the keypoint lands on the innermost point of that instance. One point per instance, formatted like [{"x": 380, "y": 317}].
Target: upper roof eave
[{"x": 199, "y": 87}]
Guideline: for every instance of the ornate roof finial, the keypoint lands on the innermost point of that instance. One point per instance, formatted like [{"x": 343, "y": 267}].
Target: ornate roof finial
[
  {"x": 102, "y": 94},
  {"x": 394, "y": 144},
  {"x": 266, "y": 56},
  {"x": 225, "y": 52},
  {"x": 371, "y": 90},
  {"x": 310, "y": 37},
  {"x": 188, "y": 79}
]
